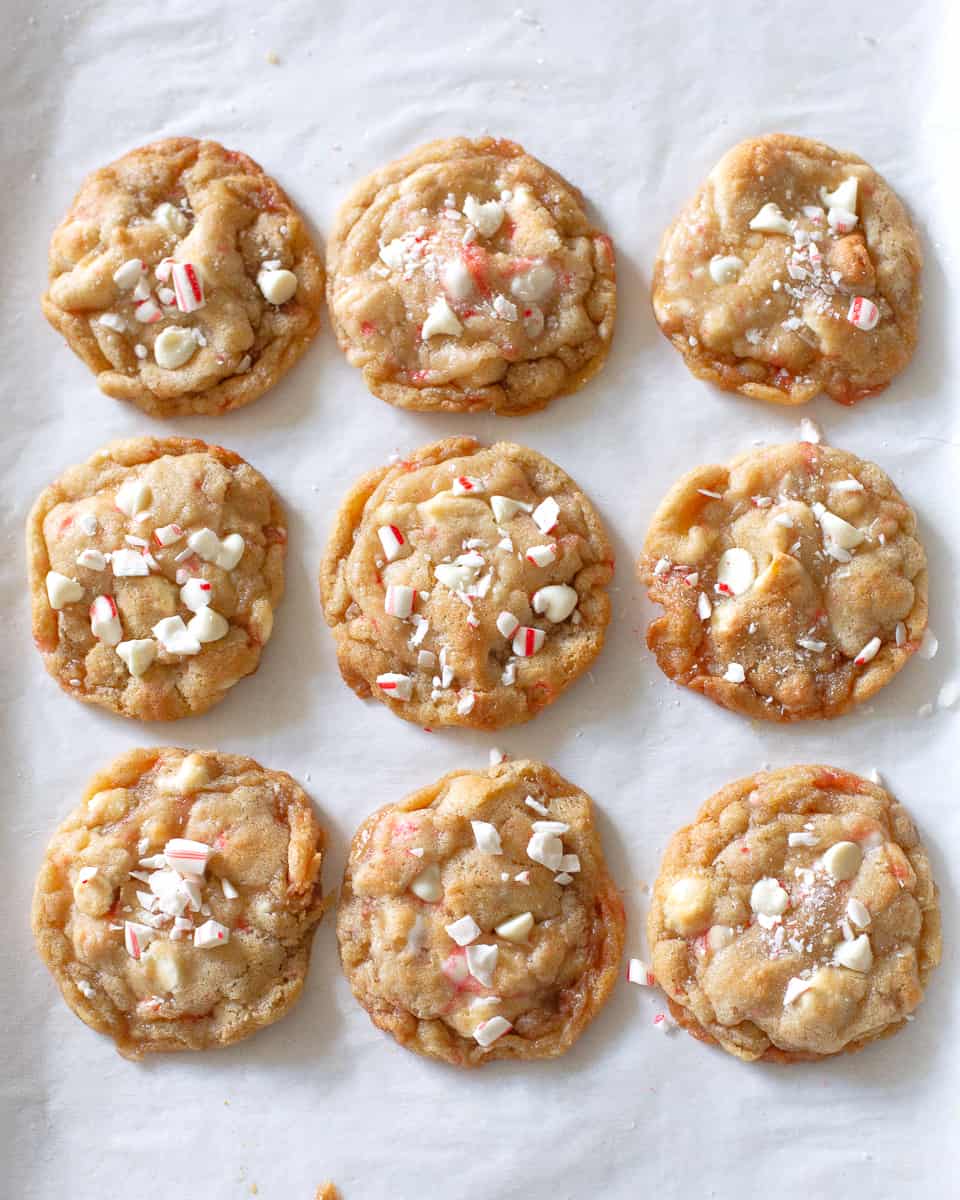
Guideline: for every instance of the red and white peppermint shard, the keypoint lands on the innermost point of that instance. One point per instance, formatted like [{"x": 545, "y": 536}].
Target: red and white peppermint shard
[
  {"x": 398, "y": 687},
  {"x": 104, "y": 621},
  {"x": 863, "y": 313},
  {"x": 508, "y": 624},
  {"x": 399, "y": 600},
  {"x": 542, "y": 556},
  {"x": 545, "y": 514},
  {"x": 640, "y": 973},
  {"x": 487, "y": 1032},
  {"x": 465, "y": 484},
  {"x": 211, "y": 933},
  {"x": 392, "y": 541},
  {"x": 147, "y": 312},
  {"x": 136, "y": 937},
  {"x": 167, "y": 535},
  {"x": 187, "y": 287},
  {"x": 187, "y": 856},
  {"x": 868, "y": 653},
  {"x": 527, "y": 641}
]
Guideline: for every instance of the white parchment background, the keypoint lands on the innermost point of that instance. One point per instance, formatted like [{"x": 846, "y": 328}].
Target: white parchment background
[{"x": 634, "y": 103}]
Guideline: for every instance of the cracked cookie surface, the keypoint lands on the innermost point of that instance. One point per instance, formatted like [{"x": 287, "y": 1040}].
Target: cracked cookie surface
[
  {"x": 796, "y": 917},
  {"x": 795, "y": 269},
  {"x": 155, "y": 570},
  {"x": 466, "y": 276},
  {"x": 466, "y": 585},
  {"x": 176, "y": 905},
  {"x": 793, "y": 582},
  {"x": 477, "y": 918},
  {"x": 184, "y": 278}
]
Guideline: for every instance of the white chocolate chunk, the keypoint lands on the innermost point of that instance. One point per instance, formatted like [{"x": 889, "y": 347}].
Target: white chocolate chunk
[
  {"x": 173, "y": 347},
  {"x": 138, "y": 654},
  {"x": 171, "y": 218},
  {"x": 505, "y": 309},
  {"x": 734, "y": 673},
  {"x": 515, "y": 929},
  {"x": 768, "y": 898},
  {"x": 486, "y": 837},
  {"x": 487, "y": 1032},
  {"x": 133, "y": 496},
  {"x": 736, "y": 571},
  {"x": 719, "y": 937},
  {"x": 843, "y": 860},
  {"x": 504, "y": 508},
  {"x": 174, "y": 637},
  {"x": 856, "y": 955},
  {"x": 542, "y": 556},
  {"x": 231, "y": 551},
  {"x": 482, "y": 962},
  {"x": 844, "y": 195},
  {"x": 556, "y": 601},
  {"x": 546, "y": 849},
  {"x": 802, "y": 837},
  {"x": 795, "y": 987},
  {"x": 441, "y": 319},
  {"x": 534, "y": 285},
  {"x": 687, "y": 906},
  {"x": 457, "y": 280},
  {"x": 770, "y": 220},
  {"x": 837, "y": 530},
  {"x": 464, "y": 931},
  {"x": 277, "y": 286},
  {"x": 426, "y": 886},
  {"x": 128, "y": 274},
  {"x": 191, "y": 775},
  {"x": 208, "y": 626},
  {"x": 545, "y": 515},
  {"x": 725, "y": 268},
  {"x": 211, "y": 933},
  {"x": 704, "y": 607},
  {"x": 487, "y": 217},
  {"x": 62, "y": 590},
  {"x": 858, "y": 913},
  {"x": 394, "y": 254},
  {"x": 841, "y": 220}
]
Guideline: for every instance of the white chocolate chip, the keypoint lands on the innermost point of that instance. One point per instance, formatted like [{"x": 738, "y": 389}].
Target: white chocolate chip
[
  {"x": 725, "y": 268},
  {"x": 556, "y": 601},
  {"x": 191, "y": 775},
  {"x": 486, "y": 837},
  {"x": 858, "y": 913},
  {"x": 464, "y": 931},
  {"x": 770, "y": 220},
  {"x": 486, "y": 217},
  {"x": 277, "y": 286},
  {"x": 516, "y": 929},
  {"x": 441, "y": 319},
  {"x": 837, "y": 530},
  {"x": 133, "y": 497},
  {"x": 841, "y": 220},
  {"x": 856, "y": 955},
  {"x": 196, "y": 594},
  {"x": 171, "y": 219},
  {"x": 62, "y": 590},
  {"x": 92, "y": 559},
  {"x": 173, "y": 347},
  {"x": 482, "y": 962},
  {"x": 688, "y": 903},
  {"x": 734, "y": 673},
  {"x": 138, "y": 654},
  {"x": 844, "y": 195},
  {"x": 174, "y": 637},
  {"x": 768, "y": 898},
  {"x": 534, "y": 285},
  {"x": 795, "y": 987},
  {"x": 426, "y": 886},
  {"x": 719, "y": 937},
  {"x": 843, "y": 860},
  {"x": 128, "y": 274},
  {"x": 457, "y": 280},
  {"x": 208, "y": 626},
  {"x": 128, "y": 564},
  {"x": 736, "y": 571},
  {"x": 704, "y": 607},
  {"x": 504, "y": 508}
]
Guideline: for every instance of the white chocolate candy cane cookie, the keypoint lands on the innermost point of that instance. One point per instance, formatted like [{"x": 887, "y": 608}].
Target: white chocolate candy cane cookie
[
  {"x": 155, "y": 570},
  {"x": 184, "y": 278},
  {"x": 477, "y": 918},
  {"x": 793, "y": 582},
  {"x": 794, "y": 270},
  {"x": 176, "y": 906},
  {"x": 466, "y": 585},
  {"x": 467, "y": 276},
  {"x": 796, "y": 917}
]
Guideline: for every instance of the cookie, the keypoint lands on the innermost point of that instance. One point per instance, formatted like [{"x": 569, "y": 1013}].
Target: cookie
[
  {"x": 793, "y": 582},
  {"x": 155, "y": 570},
  {"x": 794, "y": 270},
  {"x": 176, "y": 905},
  {"x": 467, "y": 276},
  {"x": 465, "y": 585},
  {"x": 796, "y": 917},
  {"x": 184, "y": 278},
  {"x": 477, "y": 919}
]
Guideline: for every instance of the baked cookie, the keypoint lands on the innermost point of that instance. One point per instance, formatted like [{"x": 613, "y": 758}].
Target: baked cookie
[
  {"x": 467, "y": 276},
  {"x": 155, "y": 569},
  {"x": 176, "y": 906},
  {"x": 796, "y": 917},
  {"x": 184, "y": 278},
  {"x": 477, "y": 919},
  {"x": 794, "y": 270},
  {"x": 466, "y": 585},
  {"x": 793, "y": 582}
]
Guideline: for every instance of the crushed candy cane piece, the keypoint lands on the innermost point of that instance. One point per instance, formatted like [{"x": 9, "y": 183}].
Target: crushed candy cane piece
[
  {"x": 395, "y": 685},
  {"x": 734, "y": 673},
  {"x": 427, "y": 885},
  {"x": 640, "y": 973},
  {"x": 863, "y": 313},
  {"x": 210, "y": 933},
  {"x": 537, "y": 807},
  {"x": 487, "y": 1032},
  {"x": 504, "y": 508},
  {"x": 482, "y": 962},
  {"x": 104, "y": 621},
  {"x": 465, "y": 485},
  {"x": 133, "y": 497},
  {"x": 187, "y": 287},
  {"x": 546, "y": 849},
  {"x": 464, "y": 931},
  {"x": 486, "y": 837},
  {"x": 392, "y": 541},
  {"x": 868, "y": 653},
  {"x": 542, "y": 556},
  {"x": 127, "y": 564},
  {"x": 527, "y": 641},
  {"x": 196, "y": 593},
  {"x": 399, "y": 600},
  {"x": 136, "y": 937},
  {"x": 187, "y": 856},
  {"x": 507, "y": 624},
  {"x": 545, "y": 515}
]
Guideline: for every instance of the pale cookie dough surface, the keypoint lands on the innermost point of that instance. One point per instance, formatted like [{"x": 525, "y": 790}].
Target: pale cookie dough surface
[
  {"x": 796, "y": 917},
  {"x": 769, "y": 312},
  {"x": 200, "y": 205},
  {"x": 534, "y": 949},
  {"x": 181, "y": 953},
  {"x": 504, "y": 613},
  {"x": 467, "y": 276},
  {"x": 214, "y": 605},
  {"x": 793, "y": 582}
]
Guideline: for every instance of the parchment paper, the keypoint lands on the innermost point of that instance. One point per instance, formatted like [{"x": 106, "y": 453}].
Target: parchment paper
[{"x": 634, "y": 103}]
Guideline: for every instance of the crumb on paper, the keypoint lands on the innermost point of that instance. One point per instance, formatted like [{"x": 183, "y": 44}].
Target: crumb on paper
[
  {"x": 326, "y": 1191},
  {"x": 273, "y": 58}
]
